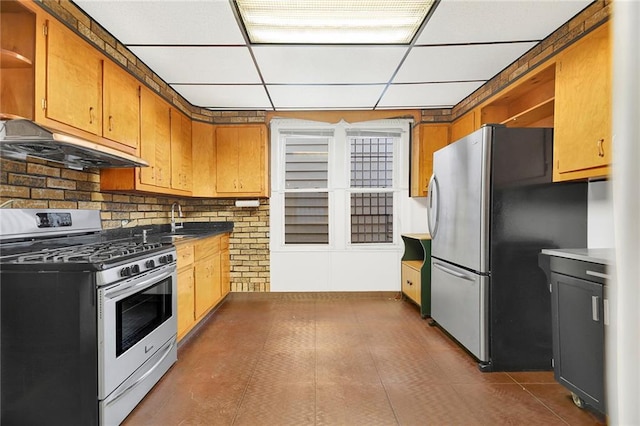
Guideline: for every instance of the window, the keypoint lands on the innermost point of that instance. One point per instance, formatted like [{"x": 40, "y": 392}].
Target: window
[
  {"x": 371, "y": 168},
  {"x": 337, "y": 185},
  {"x": 306, "y": 201}
]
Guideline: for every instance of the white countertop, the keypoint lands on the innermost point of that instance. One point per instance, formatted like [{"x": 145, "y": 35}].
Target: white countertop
[{"x": 604, "y": 256}]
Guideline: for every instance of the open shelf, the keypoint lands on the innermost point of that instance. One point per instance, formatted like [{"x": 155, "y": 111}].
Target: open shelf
[
  {"x": 529, "y": 104},
  {"x": 10, "y": 59},
  {"x": 531, "y": 115}
]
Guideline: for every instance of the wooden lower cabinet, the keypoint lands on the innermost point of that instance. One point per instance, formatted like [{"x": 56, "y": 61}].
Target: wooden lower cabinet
[
  {"x": 207, "y": 284},
  {"x": 225, "y": 266},
  {"x": 203, "y": 279},
  {"x": 411, "y": 280}
]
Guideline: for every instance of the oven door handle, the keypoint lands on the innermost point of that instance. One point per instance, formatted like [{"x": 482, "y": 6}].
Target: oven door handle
[
  {"x": 144, "y": 376},
  {"x": 134, "y": 287}
]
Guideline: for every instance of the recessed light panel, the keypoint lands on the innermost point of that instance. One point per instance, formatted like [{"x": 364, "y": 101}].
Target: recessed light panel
[{"x": 332, "y": 21}]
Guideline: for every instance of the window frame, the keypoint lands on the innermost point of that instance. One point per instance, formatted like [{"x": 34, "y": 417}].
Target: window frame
[{"x": 339, "y": 182}]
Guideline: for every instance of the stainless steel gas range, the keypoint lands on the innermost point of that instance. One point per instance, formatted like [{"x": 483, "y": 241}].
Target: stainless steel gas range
[{"x": 88, "y": 318}]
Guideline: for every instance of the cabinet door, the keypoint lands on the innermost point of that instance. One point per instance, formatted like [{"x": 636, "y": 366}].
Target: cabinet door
[
  {"x": 207, "y": 272},
  {"x": 186, "y": 300},
  {"x": 155, "y": 137},
  {"x": 227, "y": 159},
  {"x": 463, "y": 126},
  {"x": 578, "y": 334},
  {"x": 180, "y": 151},
  {"x": 582, "y": 121},
  {"x": 241, "y": 160},
  {"x": 121, "y": 106},
  {"x": 204, "y": 168},
  {"x": 427, "y": 139},
  {"x": 411, "y": 283},
  {"x": 251, "y": 154},
  {"x": 74, "y": 80}
]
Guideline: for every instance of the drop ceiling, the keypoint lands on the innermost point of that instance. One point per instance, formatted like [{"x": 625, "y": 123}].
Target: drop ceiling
[{"x": 198, "y": 48}]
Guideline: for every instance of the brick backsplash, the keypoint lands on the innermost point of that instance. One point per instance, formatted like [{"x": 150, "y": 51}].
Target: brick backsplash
[{"x": 45, "y": 185}]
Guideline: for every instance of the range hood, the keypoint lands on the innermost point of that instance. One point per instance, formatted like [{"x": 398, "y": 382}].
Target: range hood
[{"x": 20, "y": 138}]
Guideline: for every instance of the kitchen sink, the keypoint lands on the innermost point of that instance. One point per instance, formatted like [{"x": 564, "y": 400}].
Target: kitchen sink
[{"x": 170, "y": 238}]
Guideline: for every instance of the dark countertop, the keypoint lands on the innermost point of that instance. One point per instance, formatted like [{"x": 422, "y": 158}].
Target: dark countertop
[
  {"x": 602, "y": 256},
  {"x": 163, "y": 232}
]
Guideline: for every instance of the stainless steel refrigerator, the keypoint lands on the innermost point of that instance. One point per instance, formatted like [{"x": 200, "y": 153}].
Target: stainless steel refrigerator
[{"x": 492, "y": 208}]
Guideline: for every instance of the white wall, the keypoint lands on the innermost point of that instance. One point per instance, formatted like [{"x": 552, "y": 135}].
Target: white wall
[{"x": 600, "y": 215}]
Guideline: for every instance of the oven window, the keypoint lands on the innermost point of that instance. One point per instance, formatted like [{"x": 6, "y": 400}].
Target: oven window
[{"x": 141, "y": 313}]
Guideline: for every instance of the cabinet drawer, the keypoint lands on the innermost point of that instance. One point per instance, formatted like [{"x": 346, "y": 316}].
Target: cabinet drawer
[
  {"x": 185, "y": 255},
  {"x": 207, "y": 247}
]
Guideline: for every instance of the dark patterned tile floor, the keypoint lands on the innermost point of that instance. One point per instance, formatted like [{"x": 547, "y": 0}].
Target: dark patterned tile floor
[{"x": 341, "y": 359}]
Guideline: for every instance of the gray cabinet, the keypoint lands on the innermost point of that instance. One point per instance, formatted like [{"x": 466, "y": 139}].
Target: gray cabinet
[{"x": 578, "y": 327}]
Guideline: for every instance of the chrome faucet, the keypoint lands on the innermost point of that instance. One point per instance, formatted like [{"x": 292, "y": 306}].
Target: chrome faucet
[{"x": 174, "y": 226}]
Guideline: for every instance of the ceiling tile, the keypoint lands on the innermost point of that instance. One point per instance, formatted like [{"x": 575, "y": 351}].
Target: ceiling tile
[
  {"x": 217, "y": 65},
  {"x": 225, "y": 96},
  {"x": 486, "y": 21},
  {"x": 166, "y": 22},
  {"x": 325, "y": 97},
  {"x": 433, "y": 95},
  {"x": 458, "y": 63},
  {"x": 328, "y": 64}
]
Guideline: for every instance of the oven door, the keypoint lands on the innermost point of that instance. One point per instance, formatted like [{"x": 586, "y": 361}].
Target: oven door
[{"x": 136, "y": 318}]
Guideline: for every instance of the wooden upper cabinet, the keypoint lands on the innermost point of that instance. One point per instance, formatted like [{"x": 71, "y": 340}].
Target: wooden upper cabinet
[
  {"x": 529, "y": 102},
  {"x": 17, "y": 59},
  {"x": 463, "y": 126},
  {"x": 155, "y": 140},
  {"x": 241, "y": 161},
  {"x": 582, "y": 121},
  {"x": 181, "y": 177},
  {"x": 74, "y": 80},
  {"x": 121, "y": 105},
  {"x": 427, "y": 139},
  {"x": 204, "y": 168}
]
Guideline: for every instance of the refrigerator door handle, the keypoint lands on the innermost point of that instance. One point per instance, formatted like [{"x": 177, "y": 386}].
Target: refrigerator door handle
[
  {"x": 433, "y": 184},
  {"x": 452, "y": 272}
]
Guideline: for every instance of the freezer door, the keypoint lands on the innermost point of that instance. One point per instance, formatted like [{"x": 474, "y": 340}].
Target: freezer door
[
  {"x": 459, "y": 304},
  {"x": 458, "y": 209}
]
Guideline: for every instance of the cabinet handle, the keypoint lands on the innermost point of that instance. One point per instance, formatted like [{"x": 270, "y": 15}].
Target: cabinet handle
[
  {"x": 111, "y": 123},
  {"x": 605, "y": 306},
  {"x": 90, "y": 115},
  {"x": 600, "y": 148},
  {"x": 595, "y": 312},
  {"x": 409, "y": 282}
]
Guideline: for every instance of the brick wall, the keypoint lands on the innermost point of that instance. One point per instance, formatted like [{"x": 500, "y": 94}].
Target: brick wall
[{"x": 45, "y": 185}]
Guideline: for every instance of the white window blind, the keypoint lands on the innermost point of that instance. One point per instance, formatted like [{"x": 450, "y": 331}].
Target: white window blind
[{"x": 306, "y": 201}]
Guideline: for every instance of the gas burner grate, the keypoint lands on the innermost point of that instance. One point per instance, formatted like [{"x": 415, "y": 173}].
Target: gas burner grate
[{"x": 92, "y": 253}]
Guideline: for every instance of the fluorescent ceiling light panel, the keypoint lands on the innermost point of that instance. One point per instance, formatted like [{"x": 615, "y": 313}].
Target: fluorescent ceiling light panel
[{"x": 333, "y": 21}]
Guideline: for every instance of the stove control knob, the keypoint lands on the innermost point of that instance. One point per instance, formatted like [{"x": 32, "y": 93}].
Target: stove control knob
[
  {"x": 169, "y": 258},
  {"x": 125, "y": 272},
  {"x": 135, "y": 269},
  {"x": 150, "y": 263}
]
